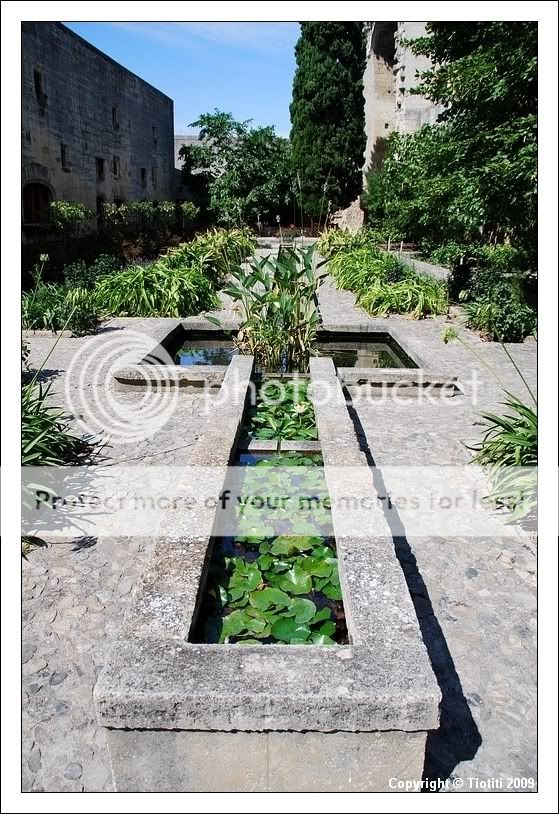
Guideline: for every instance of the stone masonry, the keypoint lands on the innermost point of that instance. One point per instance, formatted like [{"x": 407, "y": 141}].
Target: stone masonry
[{"x": 92, "y": 131}]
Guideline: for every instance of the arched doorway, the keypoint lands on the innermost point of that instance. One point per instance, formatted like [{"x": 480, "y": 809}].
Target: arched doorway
[{"x": 36, "y": 199}]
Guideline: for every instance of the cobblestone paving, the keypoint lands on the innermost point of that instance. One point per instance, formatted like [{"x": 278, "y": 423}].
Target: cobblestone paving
[
  {"x": 75, "y": 595},
  {"x": 475, "y": 599}
]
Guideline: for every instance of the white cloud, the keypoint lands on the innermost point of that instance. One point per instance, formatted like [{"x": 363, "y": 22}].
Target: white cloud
[{"x": 262, "y": 37}]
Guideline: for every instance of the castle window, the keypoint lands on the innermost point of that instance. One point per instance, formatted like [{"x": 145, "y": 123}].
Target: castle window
[
  {"x": 100, "y": 168},
  {"x": 143, "y": 176},
  {"x": 115, "y": 118},
  {"x": 116, "y": 166},
  {"x": 64, "y": 156},
  {"x": 38, "y": 80},
  {"x": 154, "y": 134},
  {"x": 154, "y": 177}
]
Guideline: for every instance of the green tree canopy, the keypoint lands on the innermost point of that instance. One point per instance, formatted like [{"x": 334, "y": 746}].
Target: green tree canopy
[
  {"x": 328, "y": 114},
  {"x": 236, "y": 171},
  {"x": 474, "y": 173}
]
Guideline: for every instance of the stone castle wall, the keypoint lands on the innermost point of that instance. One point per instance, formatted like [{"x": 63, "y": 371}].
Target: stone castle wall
[
  {"x": 390, "y": 73},
  {"x": 81, "y": 108}
]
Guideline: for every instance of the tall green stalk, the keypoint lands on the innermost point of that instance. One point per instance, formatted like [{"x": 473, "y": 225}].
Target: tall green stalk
[{"x": 278, "y": 303}]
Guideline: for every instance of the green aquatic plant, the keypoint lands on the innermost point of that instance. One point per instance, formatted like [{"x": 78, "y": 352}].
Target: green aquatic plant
[
  {"x": 280, "y": 588},
  {"x": 279, "y": 313},
  {"x": 283, "y": 410}
]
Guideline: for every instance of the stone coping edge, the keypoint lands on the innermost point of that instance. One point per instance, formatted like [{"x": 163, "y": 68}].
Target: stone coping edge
[{"x": 144, "y": 375}]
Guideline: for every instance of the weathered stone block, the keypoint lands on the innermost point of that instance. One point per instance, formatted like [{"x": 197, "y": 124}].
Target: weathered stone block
[{"x": 146, "y": 761}]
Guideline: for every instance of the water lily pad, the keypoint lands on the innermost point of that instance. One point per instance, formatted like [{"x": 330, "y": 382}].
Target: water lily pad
[
  {"x": 304, "y": 528},
  {"x": 265, "y": 561},
  {"x": 233, "y": 624},
  {"x": 317, "y": 567},
  {"x": 287, "y": 630},
  {"x": 327, "y": 628},
  {"x": 322, "y": 615},
  {"x": 303, "y": 610},
  {"x": 295, "y": 581},
  {"x": 269, "y": 597},
  {"x": 319, "y": 638},
  {"x": 332, "y": 591}
]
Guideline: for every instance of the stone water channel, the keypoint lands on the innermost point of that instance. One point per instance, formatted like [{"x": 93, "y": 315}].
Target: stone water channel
[{"x": 323, "y": 717}]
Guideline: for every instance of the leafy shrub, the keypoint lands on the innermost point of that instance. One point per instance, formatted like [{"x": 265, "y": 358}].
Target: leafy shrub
[
  {"x": 155, "y": 290},
  {"x": 506, "y": 321},
  {"x": 80, "y": 275},
  {"x": 189, "y": 212},
  {"x": 361, "y": 267},
  {"x": 449, "y": 255},
  {"x": 511, "y": 441},
  {"x": 151, "y": 216},
  {"x": 418, "y": 295},
  {"x": 69, "y": 215},
  {"x": 502, "y": 257},
  {"x": 495, "y": 303}
]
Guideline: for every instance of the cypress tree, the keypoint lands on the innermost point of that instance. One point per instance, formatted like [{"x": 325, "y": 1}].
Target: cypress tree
[{"x": 328, "y": 114}]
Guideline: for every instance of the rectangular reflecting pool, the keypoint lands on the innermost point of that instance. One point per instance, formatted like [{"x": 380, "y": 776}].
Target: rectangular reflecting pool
[
  {"x": 378, "y": 350},
  {"x": 375, "y": 350}
]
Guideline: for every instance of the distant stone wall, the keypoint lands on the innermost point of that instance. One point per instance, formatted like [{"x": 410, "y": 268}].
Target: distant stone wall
[
  {"x": 349, "y": 219},
  {"x": 92, "y": 131},
  {"x": 391, "y": 72}
]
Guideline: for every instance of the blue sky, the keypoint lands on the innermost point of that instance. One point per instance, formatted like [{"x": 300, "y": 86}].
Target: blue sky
[{"x": 243, "y": 68}]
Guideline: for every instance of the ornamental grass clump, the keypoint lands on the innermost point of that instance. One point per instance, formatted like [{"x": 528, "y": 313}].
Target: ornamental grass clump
[
  {"x": 364, "y": 266},
  {"x": 417, "y": 295},
  {"x": 509, "y": 445},
  {"x": 333, "y": 241},
  {"x": 53, "y": 307},
  {"x": 155, "y": 291},
  {"x": 216, "y": 253}
]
